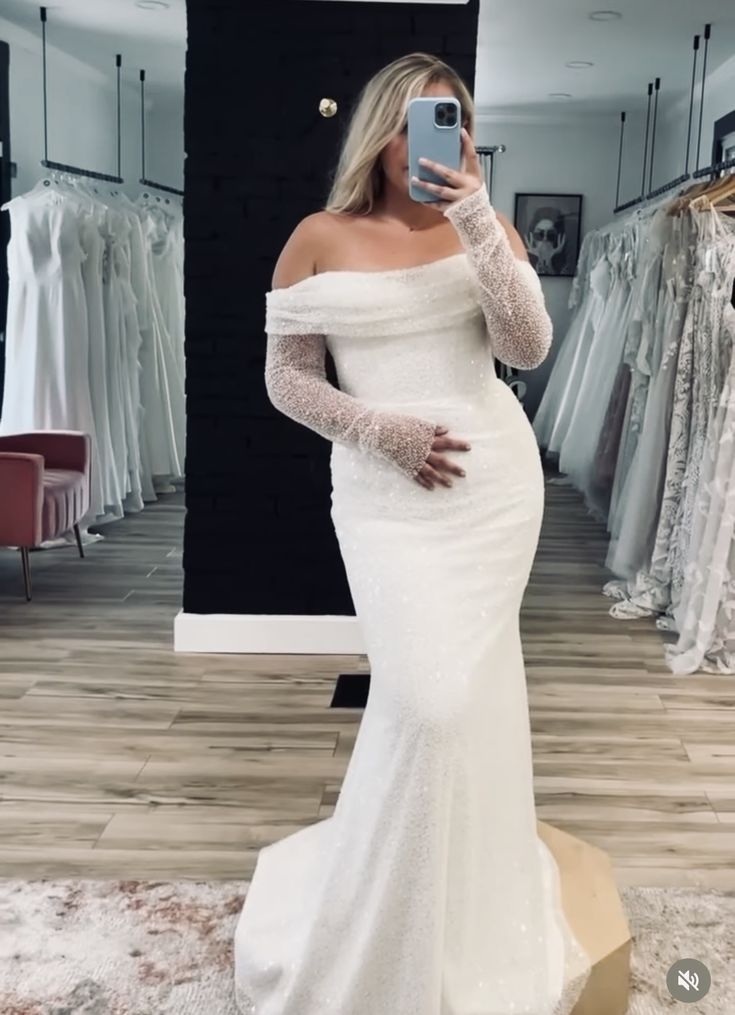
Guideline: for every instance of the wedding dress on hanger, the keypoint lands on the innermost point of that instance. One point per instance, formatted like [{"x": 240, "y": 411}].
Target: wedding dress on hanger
[
  {"x": 556, "y": 410},
  {"x": 577, "y": 454},
  {"x": 548, "y": 408},
  {"x": 92, "y": 271},
  {"x": 429, "y": 890},
  {"x": 114, "y": 308},
  {"x": 636, "y": 503},
  {"x": 703, "y": 614},
  {"x": 700, "y": 371},
  {"x": 642, "y": 343},
  {"x": 47, "y": 333},
  {"x": 163, "y": 380}
]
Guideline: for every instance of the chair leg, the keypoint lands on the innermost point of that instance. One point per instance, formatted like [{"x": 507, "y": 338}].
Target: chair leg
[
  {"x": 78, "y": 534},
  {"x": 26, "y": 558}
]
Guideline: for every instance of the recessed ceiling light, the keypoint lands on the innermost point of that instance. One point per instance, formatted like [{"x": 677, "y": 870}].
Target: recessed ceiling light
[
  {"x": 559, "y": 95},
  {"x": 606, "y": 16},
  {"x": 152, "y": 5},
  {"x": 579, "y": 64}
]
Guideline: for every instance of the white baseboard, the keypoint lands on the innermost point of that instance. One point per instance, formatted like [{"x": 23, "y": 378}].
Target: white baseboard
[{"x": 266, "y": 633}]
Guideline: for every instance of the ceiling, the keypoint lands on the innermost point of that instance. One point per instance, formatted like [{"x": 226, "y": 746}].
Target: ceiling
[
  {"x": 95, "y": 30},
  {"x": 523, "y": 48}
]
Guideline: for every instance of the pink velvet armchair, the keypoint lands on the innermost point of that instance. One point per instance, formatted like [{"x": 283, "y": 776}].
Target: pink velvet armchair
[{"x": 44, "y": 489}]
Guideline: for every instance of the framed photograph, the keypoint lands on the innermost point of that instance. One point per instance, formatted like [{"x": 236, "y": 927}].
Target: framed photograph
[
  {"x": 550, "y": 225},
  {"x": 723, "y": 148}
]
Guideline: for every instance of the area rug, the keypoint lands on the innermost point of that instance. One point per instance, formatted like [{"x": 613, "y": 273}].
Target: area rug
[{"x": 88, "y": 947}]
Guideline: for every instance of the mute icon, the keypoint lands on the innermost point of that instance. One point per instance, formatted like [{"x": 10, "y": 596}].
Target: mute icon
[{"x": 688, "y": 980}]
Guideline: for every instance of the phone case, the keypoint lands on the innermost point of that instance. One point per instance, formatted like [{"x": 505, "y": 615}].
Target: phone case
[{"x": 426, "y": 139}]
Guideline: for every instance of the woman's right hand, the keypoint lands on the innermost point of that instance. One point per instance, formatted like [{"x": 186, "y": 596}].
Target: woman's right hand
[{"x": 433, "y": 469}]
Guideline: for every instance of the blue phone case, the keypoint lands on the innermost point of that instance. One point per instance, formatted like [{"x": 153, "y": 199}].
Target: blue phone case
[{"x": 428, "y": 139}]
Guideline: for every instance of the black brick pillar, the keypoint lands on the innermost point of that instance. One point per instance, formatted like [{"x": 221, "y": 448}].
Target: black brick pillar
[{"x": 259, "y": 537}]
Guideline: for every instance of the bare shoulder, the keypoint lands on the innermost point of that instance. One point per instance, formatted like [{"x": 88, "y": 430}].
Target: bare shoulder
[
  {"x": 301, "y": 253},
  {"x": 517, "y": 245}
]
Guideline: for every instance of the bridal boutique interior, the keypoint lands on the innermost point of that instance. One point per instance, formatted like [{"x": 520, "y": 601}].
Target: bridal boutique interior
[
  {"x": 93, "y": 337},
  {"x": 192, "y": 689}
]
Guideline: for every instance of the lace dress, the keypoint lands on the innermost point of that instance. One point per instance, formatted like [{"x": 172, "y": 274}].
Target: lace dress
[
  {"x": 705, "y": 613},
  {"x": 640, "y": 348},
  {"x": 698, "y": 385},
  {"x": 637, "y": 502}
]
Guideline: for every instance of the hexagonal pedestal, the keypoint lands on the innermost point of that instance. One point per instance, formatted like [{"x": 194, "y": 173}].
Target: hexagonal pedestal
[{"x": 596, "y": 916}]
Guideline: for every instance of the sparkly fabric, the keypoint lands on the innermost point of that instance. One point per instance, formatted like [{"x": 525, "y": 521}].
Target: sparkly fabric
[
  {"x": 509, "y": 290},
  {"x": 504, "y": 290},
  {"x": 296, "y": 382},
  {"x": 428, "y": 891}
]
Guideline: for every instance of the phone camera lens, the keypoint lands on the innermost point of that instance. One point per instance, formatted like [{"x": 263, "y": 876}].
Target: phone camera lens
[{"x": 446, "y": 114}]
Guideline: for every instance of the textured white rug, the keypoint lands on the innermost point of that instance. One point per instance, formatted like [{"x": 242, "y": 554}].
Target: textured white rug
[{"x": 84, "y": 947}]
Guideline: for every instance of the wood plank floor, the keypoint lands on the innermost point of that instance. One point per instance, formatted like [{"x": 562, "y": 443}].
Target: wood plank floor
[{"x": 119, "y": 758}]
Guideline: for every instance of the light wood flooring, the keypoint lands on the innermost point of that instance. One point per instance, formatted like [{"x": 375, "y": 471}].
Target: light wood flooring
[{"x": 119, "y": 758}]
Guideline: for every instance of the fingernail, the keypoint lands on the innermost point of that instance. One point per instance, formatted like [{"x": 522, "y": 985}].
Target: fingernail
[
  {"x": 423, "y": 161},
  {"x": 462, "y": 472}
]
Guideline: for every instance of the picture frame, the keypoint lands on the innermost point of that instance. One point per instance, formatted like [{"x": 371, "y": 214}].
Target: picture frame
[
  {"x": 550, "y": 226},
  {"x": 723, "y": 146}
]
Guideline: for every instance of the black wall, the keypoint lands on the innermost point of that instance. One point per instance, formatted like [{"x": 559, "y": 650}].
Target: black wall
[{"x": 259, "y": 537}]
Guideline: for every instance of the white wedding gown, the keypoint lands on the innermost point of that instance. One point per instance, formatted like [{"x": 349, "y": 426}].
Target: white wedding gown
[{"x": 428, "y": 891}]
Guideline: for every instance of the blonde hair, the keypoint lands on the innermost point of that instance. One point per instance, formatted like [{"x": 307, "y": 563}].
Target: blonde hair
[{"x": 379, "y": 115}]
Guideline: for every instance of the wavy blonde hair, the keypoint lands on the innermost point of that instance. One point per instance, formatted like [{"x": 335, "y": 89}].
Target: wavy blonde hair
[{"x": 379, "y": 115}]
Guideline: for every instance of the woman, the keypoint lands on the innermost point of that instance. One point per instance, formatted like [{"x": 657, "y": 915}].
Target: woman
[{"x": 428, "y": 891}]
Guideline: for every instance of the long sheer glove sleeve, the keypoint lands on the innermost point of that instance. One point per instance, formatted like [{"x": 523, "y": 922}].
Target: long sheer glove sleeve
[
  {"x": 297, "y": 385},
  {"x": 510, "y": 292}
]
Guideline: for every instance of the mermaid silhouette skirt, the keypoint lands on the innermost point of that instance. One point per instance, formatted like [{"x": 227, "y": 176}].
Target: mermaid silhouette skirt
[{"x": 428, "y": 891}]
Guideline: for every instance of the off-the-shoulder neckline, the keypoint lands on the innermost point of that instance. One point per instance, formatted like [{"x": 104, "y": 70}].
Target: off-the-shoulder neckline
[{"x": 409, "y": 269}]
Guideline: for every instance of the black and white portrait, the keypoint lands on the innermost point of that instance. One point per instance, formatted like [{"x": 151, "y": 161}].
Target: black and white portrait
[{"x": 550, "y": 227}]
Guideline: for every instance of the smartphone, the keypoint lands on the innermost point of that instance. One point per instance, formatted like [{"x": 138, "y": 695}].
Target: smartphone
[{"x": 434, "y": 132}]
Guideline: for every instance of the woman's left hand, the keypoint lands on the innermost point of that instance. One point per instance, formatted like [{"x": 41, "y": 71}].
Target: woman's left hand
[{"x": 460, "y": 182}]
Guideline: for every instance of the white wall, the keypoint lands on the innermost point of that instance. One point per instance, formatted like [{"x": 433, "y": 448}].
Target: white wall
[
  {"x": 670, "y": 157},
  {"x": 83, "y": 117},
  {"x": 165, "y": 140}
]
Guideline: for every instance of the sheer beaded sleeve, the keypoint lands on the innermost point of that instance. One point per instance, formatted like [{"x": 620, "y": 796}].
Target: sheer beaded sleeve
[
  {"x": 510, "y": 292},
  {"x": 297, "y": 385}
]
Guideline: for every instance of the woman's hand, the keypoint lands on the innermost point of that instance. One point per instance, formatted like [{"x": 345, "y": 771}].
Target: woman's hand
[
  {"x": 460, "y": 182},
  {"x": 431, "y": 471}
]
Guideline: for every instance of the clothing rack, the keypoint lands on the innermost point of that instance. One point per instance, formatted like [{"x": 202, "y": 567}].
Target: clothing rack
[
  {"x": 711, "y": 170},
  {"x": 143, "y": 178},
  {"x": 92, "y": 174},
  {"x": 670, "y": 186},
  {"x": 161, "y": 186},
  {"x": 60, "y": 166}
]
